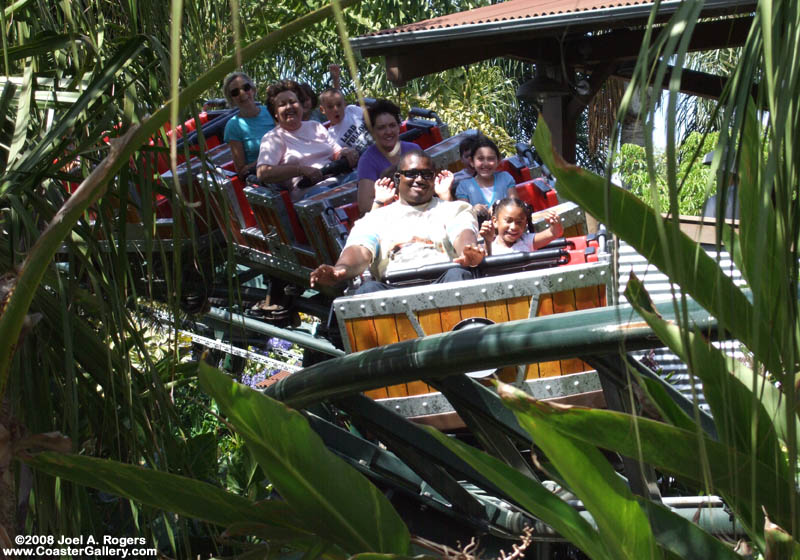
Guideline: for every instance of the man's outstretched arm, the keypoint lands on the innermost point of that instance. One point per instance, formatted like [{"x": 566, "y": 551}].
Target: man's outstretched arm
[
  {"x": 353, "y": 261},
  {"x": 469, "y": 252}
]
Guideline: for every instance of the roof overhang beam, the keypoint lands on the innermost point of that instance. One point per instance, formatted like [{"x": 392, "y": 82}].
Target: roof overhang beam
[
  {"x": 579, "y": 51},
  {"x": 624, "y": 45},
  {"x": 376, "y": 45},
  {"x": 701, "y": 84}
]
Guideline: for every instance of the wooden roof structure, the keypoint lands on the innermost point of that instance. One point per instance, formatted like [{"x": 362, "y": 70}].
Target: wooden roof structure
[{"x": 599, "y": 38}]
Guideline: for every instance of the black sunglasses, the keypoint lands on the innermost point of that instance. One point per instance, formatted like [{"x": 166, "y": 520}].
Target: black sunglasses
[
  {"x": 426, "y": 174},
  {"x": 235, "y": 91}
]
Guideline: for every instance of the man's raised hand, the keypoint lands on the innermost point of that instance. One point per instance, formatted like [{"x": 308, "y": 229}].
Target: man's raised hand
[
  {"x": 384, "y": 191},
  {"x": 442, "y": 184}
]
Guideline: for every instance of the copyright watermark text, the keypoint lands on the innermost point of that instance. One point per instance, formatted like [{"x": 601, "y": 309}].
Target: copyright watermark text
[{"x": 82, "y": 546}]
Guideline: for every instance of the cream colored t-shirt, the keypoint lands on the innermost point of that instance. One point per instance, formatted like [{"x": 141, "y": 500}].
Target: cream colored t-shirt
[{"x": 401, "y": 236}]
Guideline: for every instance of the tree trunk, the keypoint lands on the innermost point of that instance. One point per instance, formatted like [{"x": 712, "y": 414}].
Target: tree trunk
[{"x": 633, "y": 124}]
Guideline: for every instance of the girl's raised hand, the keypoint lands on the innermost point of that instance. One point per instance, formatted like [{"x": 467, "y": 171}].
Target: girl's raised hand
[
  {"x": 555, "y": 230},
  {"x": 384, "y": 190},
  {"x": 487, "y": 232},
  {"x": 554, "y": 221},
  {"x": 442, "y": 184}
]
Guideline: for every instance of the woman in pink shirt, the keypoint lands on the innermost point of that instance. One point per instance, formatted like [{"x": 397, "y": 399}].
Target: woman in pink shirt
[{"x": 296, "y": 149}]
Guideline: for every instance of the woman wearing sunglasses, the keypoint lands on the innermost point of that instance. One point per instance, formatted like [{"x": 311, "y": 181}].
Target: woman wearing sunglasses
[{"x": 243, "y": 132}]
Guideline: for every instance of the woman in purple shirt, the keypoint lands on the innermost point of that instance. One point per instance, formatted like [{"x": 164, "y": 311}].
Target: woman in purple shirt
[{"x": 384, "y": 116}]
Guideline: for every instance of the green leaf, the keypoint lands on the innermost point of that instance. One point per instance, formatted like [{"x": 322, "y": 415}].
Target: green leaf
[
  {"x": 760, "y": 238},
  {"x": 275, "y": 535},
  {"x": 780, "y": 545},
  {"x": 666, "y": 406},
  {"x": 741, "y": 420},
  {"x": 672, "y": 252},
  {"x": 532, "y": 496},
  {"x": 168, "y": 370},
  {"x": 272, "y": 533},
  {"x": 764, "y": 242},
  {"x": 373, "y": 556},
  {"x": 682, "y": 537},
  {"x": 688, "y": 454},
  {"x": 622, "y": 524},
  {"x": 201, "y": 455},
  {"x": 14, "y": 6},
  {"x": 258, "y": 552},
  {"x": 771, "y": 398},
  {"x": 6, "y": 97},
  {"x": 127, "y": 52},
  {"x": 169, "y": 492},
  {"x": 23, "y": 116},
  {"x": 45, "y": 43},
  {"x": 331, "y": 496}
]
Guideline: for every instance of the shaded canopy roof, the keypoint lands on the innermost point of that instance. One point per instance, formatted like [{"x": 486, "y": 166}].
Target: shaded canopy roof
[
  {"x": 578, "y": 33},
  {"x": 523, "y": 11}
]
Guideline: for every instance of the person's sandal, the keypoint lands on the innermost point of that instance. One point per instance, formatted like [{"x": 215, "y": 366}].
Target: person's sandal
[
  {"x": 273, "y": 313},
  {"x": 262, "y": 308},
  {"x": 279, "y": 317}
]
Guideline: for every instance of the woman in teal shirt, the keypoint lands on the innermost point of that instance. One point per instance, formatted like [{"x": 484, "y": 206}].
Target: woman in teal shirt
[{"x": 243, "y": 132}]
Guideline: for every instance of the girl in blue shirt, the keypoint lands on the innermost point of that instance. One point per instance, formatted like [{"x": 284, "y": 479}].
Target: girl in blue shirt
[{"x": 488, "y": 185}]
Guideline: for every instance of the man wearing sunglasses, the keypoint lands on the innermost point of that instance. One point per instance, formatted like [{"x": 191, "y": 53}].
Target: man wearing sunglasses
[{"x": 416, "y": 230}]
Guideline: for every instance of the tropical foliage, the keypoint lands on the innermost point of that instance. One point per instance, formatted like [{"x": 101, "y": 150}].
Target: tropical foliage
[
  {"x": 756, "y": 415},
  {"x": 696, "y": 182},
  {"x": 480, "y": 97},
  {"x": 85, "y": 369},
  {"x": 696, "y": 114},
  {"x": 68, "y": 332},
  {"x": 315, "y": 516},
  {"x": 81, "y": 72}
]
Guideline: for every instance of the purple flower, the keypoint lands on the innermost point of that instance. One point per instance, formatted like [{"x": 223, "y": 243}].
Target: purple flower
[
  {"x": 279, "y": 343},
  {"x": 254, "y": 379}
]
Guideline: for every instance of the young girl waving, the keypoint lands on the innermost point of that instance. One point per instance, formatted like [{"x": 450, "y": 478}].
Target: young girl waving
[
  {"x": 509, "y": 230},
  {"x": 488, "y": 185}
]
